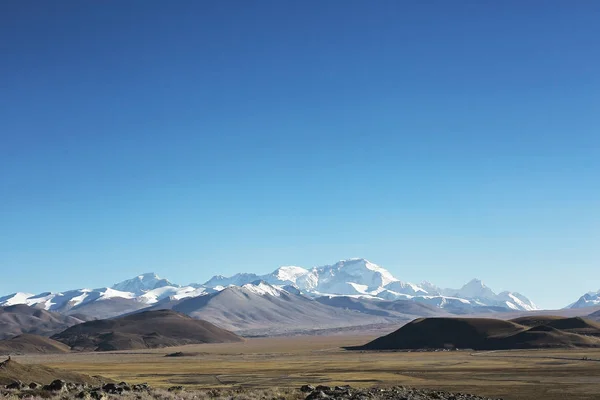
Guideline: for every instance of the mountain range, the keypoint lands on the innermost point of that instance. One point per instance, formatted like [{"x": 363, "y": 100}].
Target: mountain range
[{"x": 349, "y": 292}]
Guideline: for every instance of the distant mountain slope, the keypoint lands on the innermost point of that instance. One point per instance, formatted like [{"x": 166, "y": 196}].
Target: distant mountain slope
[
  {"x": 27, "y": 344},
  {"x": 261, "y": 308},
  {"x": 587, "y": 300},
  {"x": 595, "y": 316},
  {"x": 384, "y": 308},
  {"x": 485, "y": 334},
  {"x": 19, "y": 319},
  {"x": 149, "y": 329}
]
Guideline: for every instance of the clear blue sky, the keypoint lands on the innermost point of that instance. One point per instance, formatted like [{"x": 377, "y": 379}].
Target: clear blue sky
[{"x": 443, "y": 140}]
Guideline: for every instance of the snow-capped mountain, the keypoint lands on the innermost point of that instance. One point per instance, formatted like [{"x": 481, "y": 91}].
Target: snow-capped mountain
[
  {"x": 142, "y": 283},
  {"x": 474, "y": 289},
  {"x": 361, "y": 278},
  {"x": 126, "y": 296},
  {"x": 357, "y": 277},
  {"x": 587, "y": 300},
  {"x": 235, "y": 280}
]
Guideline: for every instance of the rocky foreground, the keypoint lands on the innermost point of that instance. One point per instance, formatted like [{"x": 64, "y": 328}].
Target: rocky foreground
[
  {"x": 395, "y": 393},
  {"x": 65, "y": 390}
]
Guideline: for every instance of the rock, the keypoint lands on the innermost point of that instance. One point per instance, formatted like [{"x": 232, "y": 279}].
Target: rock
[
  {"x": 97, "y": 395},
  {"x": 71, "y": 387},
  {"x": 341, "y": 388},
  {"x": 175, "y": 389},
  {"x": 307, "y": 388},
  {"x": 323, "y": 388},
  {"x": 112, "y": 388},
  {"x": 317, "y": 394},
  {"x": 16, "y": 385},
  {"x": 142, "y": 387},
  {"x": 34, "y": 385},
  {"x": 57, "y": 385}
]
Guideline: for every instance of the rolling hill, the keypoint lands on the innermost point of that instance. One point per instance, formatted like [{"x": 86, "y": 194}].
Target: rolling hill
[
  {"x": 489, "y": 334},
  {"x": 149, "y": 329},
  {"x": 27, "y": 343},
  {"x": 11, "y": 371}
]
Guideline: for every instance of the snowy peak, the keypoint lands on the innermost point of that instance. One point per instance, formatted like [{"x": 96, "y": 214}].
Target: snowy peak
[
  {"x": 286, "y": 274},
  {"x": 517, "y": 301},
  {"x": 430, "y": 288},
  {"x": 587, "y": 300},
  {"x": 354, "y": 270},
  {"x": 15, "y": 298},
  {"x": 236, "y": 280},
  {"x": 262, "y": 288},
  {"x": 475, "y": 289},
  {"x": 142, "y": 283}
]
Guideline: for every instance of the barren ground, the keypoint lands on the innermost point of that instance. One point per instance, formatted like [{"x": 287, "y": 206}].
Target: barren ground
[{"x": 294, "y": 361}]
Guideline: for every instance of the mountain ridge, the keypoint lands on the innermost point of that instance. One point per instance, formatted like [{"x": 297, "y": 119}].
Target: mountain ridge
[{"x": 354, "y": 277}]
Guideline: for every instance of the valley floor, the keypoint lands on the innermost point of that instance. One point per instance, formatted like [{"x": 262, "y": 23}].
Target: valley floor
[{"x": 294, "y": 361}]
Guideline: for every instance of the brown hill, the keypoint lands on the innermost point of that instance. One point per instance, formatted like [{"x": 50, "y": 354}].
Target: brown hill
[
  {"x": 19, "y": 319},
  {"x": 149, "y": 329},
  {"x": 582, "y": 326},
  {"x": 11, "y": 371},
  {"x": 27, "y": 343},
  {"x": 439, "y": 333},
  {"x": 543, "y": 336},
  {"x": 536, "y": 320},
  {"x": 484, "y": 334}
]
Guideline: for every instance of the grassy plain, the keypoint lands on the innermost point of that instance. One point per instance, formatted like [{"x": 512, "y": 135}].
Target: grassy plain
[{"x": 293, "y": 361}]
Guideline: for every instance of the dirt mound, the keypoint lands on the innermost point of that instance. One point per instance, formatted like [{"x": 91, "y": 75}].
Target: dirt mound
[
  {"x": 18, "y": 319},
  {"x": 183, "y": 354},
  {"x": 27, "y": 343},
  {"x": 149, "y": 329},
  {"x": 481, "y": 334},
  {"x": 11, "y": 371}
]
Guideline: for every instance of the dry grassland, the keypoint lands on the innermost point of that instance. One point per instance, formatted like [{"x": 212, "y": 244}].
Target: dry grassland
[{"x": 293, "y": 361}]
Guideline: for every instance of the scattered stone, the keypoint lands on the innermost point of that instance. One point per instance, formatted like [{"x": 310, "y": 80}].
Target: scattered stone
[
  {"x": 34, "y": 386},
  {"x": 175, "y": 389},
  {"x": 317, "y": 394},
  {"x": 16, "y": 385},
  {"x": 141, "y": 387},
  {"x": 112, "y": 388},
  {"x": 57, "y": 385},
  {"x": 97, "y": 395},
  {"x": 394, "y": 393}
]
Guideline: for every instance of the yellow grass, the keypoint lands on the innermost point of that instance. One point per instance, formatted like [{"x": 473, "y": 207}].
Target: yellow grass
[{"x": 291, "y": 362}]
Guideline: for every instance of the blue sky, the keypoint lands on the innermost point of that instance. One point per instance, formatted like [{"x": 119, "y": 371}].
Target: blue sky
[{"x": 441, "y": 140}]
